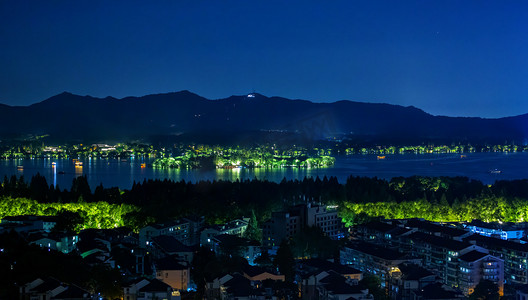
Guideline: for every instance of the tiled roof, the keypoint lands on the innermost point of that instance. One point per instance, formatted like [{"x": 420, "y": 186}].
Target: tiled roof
[
  {"x": 324, "y": 265},
  {"x": 170, "y": 244}
]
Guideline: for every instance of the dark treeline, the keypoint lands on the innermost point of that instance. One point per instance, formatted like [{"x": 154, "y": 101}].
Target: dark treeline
[{"x": 220, "y": 201}]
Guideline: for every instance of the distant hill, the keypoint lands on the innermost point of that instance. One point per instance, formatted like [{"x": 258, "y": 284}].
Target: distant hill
[{"x": 184, "y": 114}]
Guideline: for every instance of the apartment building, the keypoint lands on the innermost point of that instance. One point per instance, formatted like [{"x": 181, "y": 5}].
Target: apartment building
[
  {"x": 440, "y": 255},
  {"x": 475, "y": 266},
  {"x": 285, "y": 224},
  {"x": 513, "y": 254},
  {"x": 374, "y": 259}
]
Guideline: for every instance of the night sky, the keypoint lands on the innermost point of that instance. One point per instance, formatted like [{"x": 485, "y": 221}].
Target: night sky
[{"x": 455, "y": 58}]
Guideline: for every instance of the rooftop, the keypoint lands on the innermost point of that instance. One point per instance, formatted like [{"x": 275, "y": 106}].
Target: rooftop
[
  {"x": 325, "y": 265},
  {"x": 376, "y": 250},
  {"x": 156, "y": 285},
  {"x": 339, "y": 285},
  {"x": 413, "y": 272},
  {"x": 169, "y": 263},
  {"x": 495, "y": 242},
  {"x": 170, "y": 244},
  {"x": 436, "y": 228},
  {"x": 379, "y": 226},
  {"x": 439, "y": 241},
  {"x": 473, "y": 256}
]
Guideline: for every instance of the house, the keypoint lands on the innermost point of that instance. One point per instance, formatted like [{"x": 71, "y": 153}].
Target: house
[
  {"x": 436, "y": 291},
  {"x": 73, "y": 292},
  {"x": 335, "y": 286},
  {"x": 258, "y": 274},
  {"x": 52, "y": 289},
  {"x": 149, "y": 289},
  {"x": 230, "y": 245},
  {"x": 412, "y": 277},
  {"x": 156, "y": 289},
  {"x": 315, "y": 265},
  {"x": 58, "y": 241},
  {"x": 172, "y": 272},
  {"x": 131, "y": 288},
  {"x": 214, "y": 288},
  {"x": 165, "y": 245},
  {"x": 42, "y": 288},
  {"x": 237, "y": 286}
]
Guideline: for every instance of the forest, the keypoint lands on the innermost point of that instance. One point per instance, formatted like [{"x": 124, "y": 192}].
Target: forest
[{"x": 358, "y": 199}]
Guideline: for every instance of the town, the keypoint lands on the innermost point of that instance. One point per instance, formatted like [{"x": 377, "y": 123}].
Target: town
[
  {"x": 114, "y": 244},
  {"x": 263, "y": 152},
  {"x": 381, "y": 259}
]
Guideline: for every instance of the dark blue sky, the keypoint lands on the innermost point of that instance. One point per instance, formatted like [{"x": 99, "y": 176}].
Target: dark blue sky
[{"x": 456, "y": 58}]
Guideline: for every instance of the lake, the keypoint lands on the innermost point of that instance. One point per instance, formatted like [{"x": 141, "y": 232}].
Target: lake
[{"x": 114, "y": 172}]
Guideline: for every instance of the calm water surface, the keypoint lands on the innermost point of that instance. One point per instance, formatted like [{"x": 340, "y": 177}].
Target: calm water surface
[{"x": 113, "y": 172}]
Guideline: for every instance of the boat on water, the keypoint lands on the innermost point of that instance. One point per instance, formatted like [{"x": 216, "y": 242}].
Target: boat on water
[
  {"x": 381, "y": 156},
  {"x": 20, "y": 168},
  {"x": 61, "y": 172},
  {"x": 495, "y": 171}
]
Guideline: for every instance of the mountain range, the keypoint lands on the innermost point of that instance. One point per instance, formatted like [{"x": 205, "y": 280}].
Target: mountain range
[{"x": 184, "y": 114}]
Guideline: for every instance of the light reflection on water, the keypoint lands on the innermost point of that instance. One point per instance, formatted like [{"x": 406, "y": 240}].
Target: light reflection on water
[{"x": 114, "y": 172}]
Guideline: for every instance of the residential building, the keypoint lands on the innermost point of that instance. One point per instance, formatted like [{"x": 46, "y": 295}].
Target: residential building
[
  {"x": 436, "y": 291},
  {"x": 411, "y": 278},
  {"x": 496, "y": 230},
  {"x": 173, "y": 273},
  {"x": 59, "y": 241},
  {"x": 317, "y": 265},
  {"x": 29, "y": 223},
  {"x": 185, "y": 230},
  {"x": 285, "y": 224},
  {"x": 375, "y": 260},
  {"x": 281, "y": 226},
  {"x": 522, "y": 293},
  {"x": 226, "y": 244},
  {"x": 387, "y": 234},
  {"x": 336, "y": 287},
  {"x": 53, "y": 289},
  {"x": 513, "y": 254},
  {"x": 149, "y": 289},
  {"x": 236, "y": 227},
  {"x": 445, "y": 231},
  {"x": 440, "y": 255},
  {"x": 165, "y": 245},
  {"x": 258, "y": 274},
  {"x": 476, "y": 266}
]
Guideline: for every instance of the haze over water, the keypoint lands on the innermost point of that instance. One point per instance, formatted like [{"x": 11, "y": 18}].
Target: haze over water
[{"x": 113, "y": 172}]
